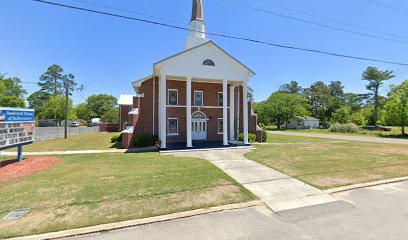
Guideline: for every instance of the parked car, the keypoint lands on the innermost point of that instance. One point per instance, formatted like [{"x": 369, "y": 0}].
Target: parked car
[
  {"x": 73, "y": 124},
  {"x": 47, "y": 123},
  {"x": 90, "y": 124}
]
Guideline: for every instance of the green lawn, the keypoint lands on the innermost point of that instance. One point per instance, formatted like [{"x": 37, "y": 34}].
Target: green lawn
[
  {"x": 87, "y": 141},
  {"x": 335, "y": 164},
  {"x": 87, "y": 190},
  {"x": 395, "y": 132},
  {"x": 275, "y": 138}
]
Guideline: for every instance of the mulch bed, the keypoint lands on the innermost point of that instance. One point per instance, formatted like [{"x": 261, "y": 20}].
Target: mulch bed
[{"x": 10, "y": 170}]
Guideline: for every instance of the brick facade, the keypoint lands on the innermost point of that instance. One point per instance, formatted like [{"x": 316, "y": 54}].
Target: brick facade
[{"x": 143, "y": 122}]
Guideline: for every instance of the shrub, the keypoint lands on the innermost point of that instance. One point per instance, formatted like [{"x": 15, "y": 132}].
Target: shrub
[
  {"x": 251, "y": 138},
  {"x": 146, "y": 140},
  {"x": 358, "y": 119},
  {"x": 344, "y": 128},
  {"x": 264, "y": 132},
  {"x": 117, "y": 137}
]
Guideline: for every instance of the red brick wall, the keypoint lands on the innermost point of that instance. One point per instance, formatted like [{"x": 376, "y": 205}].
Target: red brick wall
[
  {"x": 123, "y": 116},
  {"x": 143, "y": 123}
]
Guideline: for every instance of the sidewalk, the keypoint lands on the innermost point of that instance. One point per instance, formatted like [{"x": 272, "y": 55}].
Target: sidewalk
[
  {"x": 344, "y": 137},
  {"x": 277, "y": 190},
  {"x": 132, "y": 150}
]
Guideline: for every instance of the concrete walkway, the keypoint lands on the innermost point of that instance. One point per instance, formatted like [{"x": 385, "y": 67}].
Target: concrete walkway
[
  {"x": 278, "y": 191},
  {"x": 344, "y": 137},
  {"x": 132, "y": 150}
]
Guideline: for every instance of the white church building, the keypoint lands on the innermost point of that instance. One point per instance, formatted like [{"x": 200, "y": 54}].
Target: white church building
[{"x": 197, "y": 95}]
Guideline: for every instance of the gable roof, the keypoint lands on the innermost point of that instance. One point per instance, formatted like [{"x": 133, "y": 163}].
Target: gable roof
[
  {"x": 125, "y": 99},
  {"x": 201, "y": 45},
  {"x": 307, "y": 118}
]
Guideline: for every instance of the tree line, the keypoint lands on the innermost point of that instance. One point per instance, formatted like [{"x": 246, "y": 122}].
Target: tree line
[
  {"x": 331, "y": 104},
  {"x": 52, "y": 100}
]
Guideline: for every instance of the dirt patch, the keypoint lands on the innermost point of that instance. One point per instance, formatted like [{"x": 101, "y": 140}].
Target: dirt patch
[{"x": 27, "y": 167}]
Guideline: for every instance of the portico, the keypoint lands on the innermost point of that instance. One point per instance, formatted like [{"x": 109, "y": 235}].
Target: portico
[{"x": 200, "y": 124}]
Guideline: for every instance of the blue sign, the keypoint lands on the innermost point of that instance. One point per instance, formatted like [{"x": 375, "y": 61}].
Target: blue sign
[{"x": 16, "y": 115}]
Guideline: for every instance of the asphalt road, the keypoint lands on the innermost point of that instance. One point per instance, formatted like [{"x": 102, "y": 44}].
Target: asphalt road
[
  {"x": 46, "y": 133},
  {"x": 373, "y": 213}
]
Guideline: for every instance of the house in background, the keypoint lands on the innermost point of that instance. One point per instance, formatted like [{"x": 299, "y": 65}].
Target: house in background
[
  {"x": 303, "y": 123},
  {"x": 199, "y": 94}
]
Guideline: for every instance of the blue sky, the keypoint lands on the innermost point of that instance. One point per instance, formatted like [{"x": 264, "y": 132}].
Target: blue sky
[{"x": 106, "y": 54}]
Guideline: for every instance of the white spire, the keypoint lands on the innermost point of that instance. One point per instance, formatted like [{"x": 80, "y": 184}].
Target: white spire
[{"x": 197, "y": 26}]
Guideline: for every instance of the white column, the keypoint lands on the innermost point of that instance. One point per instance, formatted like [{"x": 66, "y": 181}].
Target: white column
[
  {"x": 225, "y": 112},
  {"x": 188, "y": 113},
  {"x": 245, "y": 110},
  {"x": 232, "y": 113},
  {"x": 162, "y": 111}
]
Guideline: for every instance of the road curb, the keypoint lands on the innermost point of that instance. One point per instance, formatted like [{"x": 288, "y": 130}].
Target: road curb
[
  {"x": 364, "y": 185},
  {"x": 137, "y": 222}
]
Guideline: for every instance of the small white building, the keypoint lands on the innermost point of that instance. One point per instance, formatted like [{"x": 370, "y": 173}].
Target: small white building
[{"x": 305, "y": 122}]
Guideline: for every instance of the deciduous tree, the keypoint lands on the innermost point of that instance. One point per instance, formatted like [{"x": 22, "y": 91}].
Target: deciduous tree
[
  {"x": 11, "y": 92},
  {"x": 397, "y": 106}
]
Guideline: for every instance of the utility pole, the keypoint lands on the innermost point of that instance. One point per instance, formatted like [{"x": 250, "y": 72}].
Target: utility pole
[{"x": 66, "y": 107}]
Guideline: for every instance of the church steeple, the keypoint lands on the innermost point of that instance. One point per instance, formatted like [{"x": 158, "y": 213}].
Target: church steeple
[
  {"x": 198, "y": 11},
  {"x": 197, "y": 26}
]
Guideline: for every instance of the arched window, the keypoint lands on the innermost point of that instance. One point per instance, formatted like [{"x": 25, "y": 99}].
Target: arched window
[
  {"x": 198, "y": 115},
  {"x": 209, "y": 62}
]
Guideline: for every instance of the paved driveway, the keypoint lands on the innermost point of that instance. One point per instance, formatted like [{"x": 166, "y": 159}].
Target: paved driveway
[
  {"x": 372, "y": 213},
  {"x": 275, "y": 189},
  {"x": 344, "y": 137}
]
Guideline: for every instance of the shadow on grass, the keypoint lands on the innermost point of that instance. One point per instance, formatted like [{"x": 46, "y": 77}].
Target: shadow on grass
[
  {"x": 399, "y": 136},
  {"x": 117, "y": 145}
]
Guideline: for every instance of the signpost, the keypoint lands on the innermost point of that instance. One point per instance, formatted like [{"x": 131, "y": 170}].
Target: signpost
[{"x": 17, "y": 128}]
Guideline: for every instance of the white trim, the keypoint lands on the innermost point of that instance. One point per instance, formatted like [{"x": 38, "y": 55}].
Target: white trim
[
  {"x": 202, "y": 98},
  {"x": 219, "y": 99},
  {"x": 163, "y": 112},
  {"x": 168, "y": 128},
  {"x": 188, "y": 112},
  {"x": 232, "y": 113},
  {"x": 168, "y": 97},
  {"x": 183, "y": 106},
  {"x": 225, "y": 111},
  {"x": 218, "y": 126},
  {"x": 245, "y": 111}
]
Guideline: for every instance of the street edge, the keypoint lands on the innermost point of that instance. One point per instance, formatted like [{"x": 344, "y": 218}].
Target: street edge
[
  {"x": 364, "y": 185},
  {"x": 138, "y": 222}
]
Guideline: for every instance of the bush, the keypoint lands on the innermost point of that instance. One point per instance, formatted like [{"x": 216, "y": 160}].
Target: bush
[
  {"x": 264, "y": 132},
  {"x": 344, "y": 128},
  {"x": 251, "y": 138},
  {"x": 146, "y": 140},
  {"x": 117, "y": 137}
]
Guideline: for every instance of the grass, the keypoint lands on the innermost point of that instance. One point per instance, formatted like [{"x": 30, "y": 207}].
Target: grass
[
  {"x": 87, "y": 190},
  {"x": 333, "y": 165},
  {"x": 275, "y": 138},
  {"x": 86, "y": 141},
  {"x": 394, "y": 133}
]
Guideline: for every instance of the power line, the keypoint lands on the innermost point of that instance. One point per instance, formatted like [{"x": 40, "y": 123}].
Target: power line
[
  {"x": 334, "y": 20},
  {"x": 222, "y": 35},
  {"x": 80, "y": 94},
  {"x": 387, "y": 6},
  {"x": 317, "y": 23},
  {"x": 129, "y": 11}
]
